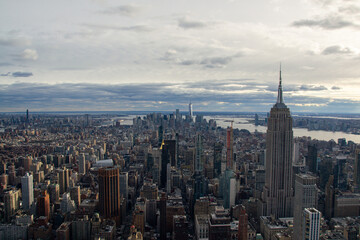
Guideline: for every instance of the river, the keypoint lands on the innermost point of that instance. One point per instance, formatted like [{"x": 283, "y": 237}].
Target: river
[{"x": 243, "y": 123}]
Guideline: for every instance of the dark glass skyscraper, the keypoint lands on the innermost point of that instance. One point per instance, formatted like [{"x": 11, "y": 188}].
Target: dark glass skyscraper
[
  {"x": 311, "y": 160},
  {"x": 109, "y": 193},
  {"x": 217, "y": 158}
]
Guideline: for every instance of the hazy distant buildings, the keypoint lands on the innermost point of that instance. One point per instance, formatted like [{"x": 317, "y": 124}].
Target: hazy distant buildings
[{"x": 278, "y": 192}]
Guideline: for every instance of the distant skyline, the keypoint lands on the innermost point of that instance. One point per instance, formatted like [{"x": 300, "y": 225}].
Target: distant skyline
[{"x": 102, "y": 55}]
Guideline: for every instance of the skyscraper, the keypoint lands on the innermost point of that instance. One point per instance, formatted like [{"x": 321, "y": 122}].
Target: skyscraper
[
  {"x": 64, "y": 180},
  {"x": 124, "y": 184},
  {"x": 229, "y": 148},
  {"x": 278, "y": 192},
  {"x": 163, "y": 216},
  {"x": 11, "y": 203},
  {"x": 243, "y": 224},
  {"x": 43, "y": 205},
  {"x": 217, "y": 158},
  {"x": 305, "y": 197},
  {"x": 311, "y": 160},
  {"x": 109, "y": 193},
  {"x": 357, "y": 168},
  {"x": 199, "y": 180},
  {"x": 168, "y": 155},
  {"x": 27, "y": 191},
  {"x": 190, "y": 109},
  {"x": 82, "y": 164},
  {"x": 312, "y": 222},
  {"x": 198, "y": 168}
]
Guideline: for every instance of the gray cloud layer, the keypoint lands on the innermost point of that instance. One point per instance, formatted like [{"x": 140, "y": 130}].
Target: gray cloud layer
[
  {"x": 336, "y": 49},
  {"x": 17, "y": 74},
  {"x": 126, "y": 10},
  {"x": 187, "y": 23},
  {"x": 213, "y": 95},
  {"x": 329, "y": 23}
]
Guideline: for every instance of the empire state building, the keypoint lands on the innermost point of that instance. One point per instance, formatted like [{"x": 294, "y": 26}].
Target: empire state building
[{"x": 278, "y": 192}]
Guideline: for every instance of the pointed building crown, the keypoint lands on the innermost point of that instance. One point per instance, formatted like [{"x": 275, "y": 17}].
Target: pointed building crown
[{"x": 280, "y": 101}]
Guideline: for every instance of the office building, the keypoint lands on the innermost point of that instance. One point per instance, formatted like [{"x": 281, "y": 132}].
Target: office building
[
  {"x": 43, "y": 204},
  {"x": 190, "y": 110},
  {"x": 27, "y": 191},
  {"x": 219, "y": 224},
  {"x": 82, "y": 164},
  {"x": 180, "y": 227},
  {"x": 109, "y": 194},
  {"x": 243, "y": 224},
  {"x": 311, "y": 160},
  {"x": 217, "y": 158},
  {"x": 278, "y": 192},
  {"x": 11, "y": 203},
  {"x": 229, "y": 148},
  {"x": 311, "y": 222},
  {"x": 64, "y": 180},
  {"x": 306, "y": 195},
  {"x": 357, "y": 168}
]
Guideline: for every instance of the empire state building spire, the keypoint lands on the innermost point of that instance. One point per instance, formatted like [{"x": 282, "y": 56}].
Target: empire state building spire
[{"x": 280, "y": 101}]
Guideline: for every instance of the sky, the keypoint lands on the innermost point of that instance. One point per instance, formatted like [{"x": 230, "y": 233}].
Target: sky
[{"x": 131, "y": 55}]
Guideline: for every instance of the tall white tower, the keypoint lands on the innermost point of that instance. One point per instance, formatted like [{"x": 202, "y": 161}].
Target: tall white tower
[
  {"x": 190, "y": 109},
  {"x": 27, "y": 191}
]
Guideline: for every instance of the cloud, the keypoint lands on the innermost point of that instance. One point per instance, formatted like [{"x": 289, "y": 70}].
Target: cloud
[
  {"x": 21, "y": 74},
  {"x": 208, "y": 62},
  {"x": 125, "y": 10},
  {"x": 215, "y": 62},
  {"x": 187, "y": 62},
  {"x": 350, "y": 9},
  {"x": 17, "y": 74},
  {"x": 328, "y": 23},
  {"x": 336, "y": 49},
  {"x": 312, "y": 88},
  {"x": 4, "y": 64},
  {"x": 30, "y": 54},
  {"x": 135, "y": 28},
  {"x": 14, "y": 42},
  {"x": 206, "y": 95},
  {"x": 296, "y": 88},
  {"x": 188, "y": 23},
  {"x": 335, "y": 88}
]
